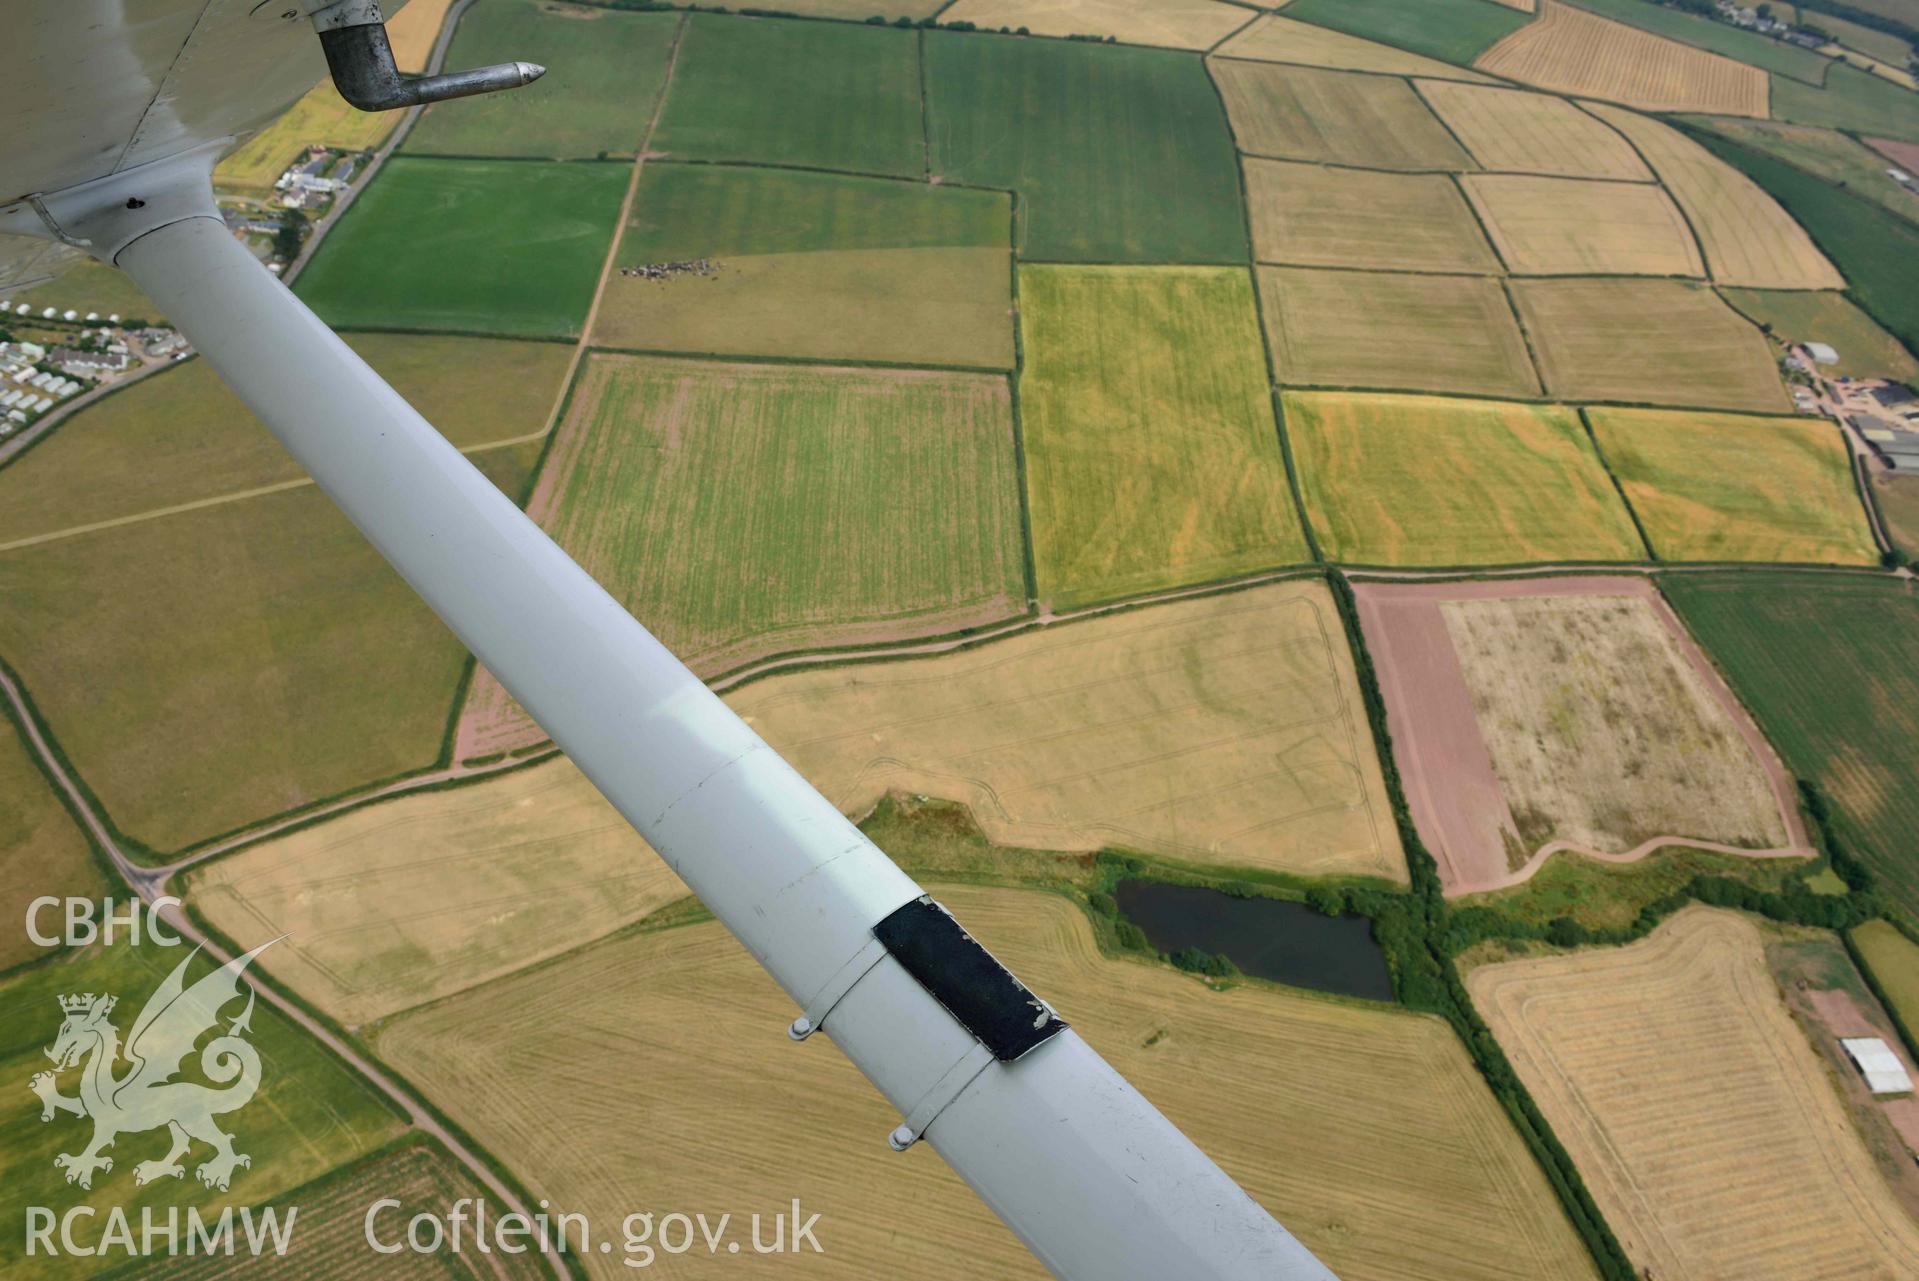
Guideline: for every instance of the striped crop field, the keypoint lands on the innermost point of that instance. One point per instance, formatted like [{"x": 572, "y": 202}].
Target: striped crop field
[
  {"x": 1746, "y": 237},
  {"x": 1732, "y": 487},
  {"x": 1152, "y": 458},
  {"x": 1276, "y": 39},
  {"x": 1394, "y": 330},
  {"x": 1569, "y": 227},
  {"x": 1510, "y": 131},
  {"x": 1309, "y": 113},
  {"x": 1647, "y": 342},
  {"x": 1829, "y": 665},
  {"x": 1314, "y": 216},
  {"x": 1429, "y": 480},
  {"x": 1176, "y": 24},
  {"x": 1365, "y": 1129},
  {"x": 1705, "y": 1125},
  {"x": 1224, "y": 729},
  {"x": 1568, "y": 50}
]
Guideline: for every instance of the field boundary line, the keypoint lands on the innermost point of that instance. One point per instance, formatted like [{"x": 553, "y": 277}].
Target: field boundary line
[
  {"x": 1692, "y": 229},
  {"x": 1619, "y": 487},
  {"x": 1525, "y": 334},
  {"x": 826, "y": 362},
  {"x": 1496, "y": 81},
  {"x": 619, "y": 226},
  {"x": 1254, "y": 14},
  {"x": 218, "y": 500},
  {"x": 1028, "y": 555}
]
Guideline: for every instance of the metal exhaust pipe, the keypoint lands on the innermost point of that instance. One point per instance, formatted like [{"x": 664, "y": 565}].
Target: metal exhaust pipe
[{"x": 353, "y": 35}]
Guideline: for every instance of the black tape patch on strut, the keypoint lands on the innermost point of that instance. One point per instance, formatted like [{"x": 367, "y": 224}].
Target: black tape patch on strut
[{"x": 965, "y": 978}]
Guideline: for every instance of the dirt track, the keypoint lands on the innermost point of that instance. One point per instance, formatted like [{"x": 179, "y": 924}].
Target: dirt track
[{"x": 1455, "y": 796}]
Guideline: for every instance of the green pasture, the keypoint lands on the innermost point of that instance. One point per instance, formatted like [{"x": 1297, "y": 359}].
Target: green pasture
[
  {"x": 505, "y": 247},
  {"x": 1829, "y": 665},
  {"x": 1852, "y": 99},
  {"x": 604, "y": 71},
  {"x": 826, "y": 95},
  {"x": 1118, "y": 154},
  {"x": 1455, "y": 31}
]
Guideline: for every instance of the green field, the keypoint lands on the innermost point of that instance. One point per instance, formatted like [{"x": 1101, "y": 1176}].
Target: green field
[
  {"x": 1852, "y": 99},
  {"x": 1893, "y": 960},
  {"x": 182, "y": 437},
  {"x": 471, "y": 246},
  {"x": 1118, "y": 154},
  {"x": 1451, "y": 30},
  {"x": 1831, "y": 155},
  {"x": 825, "y": 95},
  {"x": 814, "y": 265},
  {"x": 309, "y": 1116},
  {"x": 1877, "y": 252},
  {"x": 1829, "y": 665},
  {"x": 42, "y": 849},
  {"x": 1424, "y": 481},
  {"x": 1151, "y": 455},
  {"x": 1609, "y": 896},
  {"x": 1728, "y": 487},
  {"x": 1720, "y": 37},
  {"x": 212, "y": 668},
  {"x": 1394, "y": 331},
  {"x": 741, "y": 510},
  {"x": 1880, "y": 44},
  {"x": 1865, "y": 350},
  {"x": 604, "y": 71},
  {"x": 90, "y": 286},
  {"x": 1645, "y": 341}
]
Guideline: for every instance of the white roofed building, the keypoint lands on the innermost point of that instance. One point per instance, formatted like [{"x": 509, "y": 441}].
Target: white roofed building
[{"x": 1883, "y": 1071}]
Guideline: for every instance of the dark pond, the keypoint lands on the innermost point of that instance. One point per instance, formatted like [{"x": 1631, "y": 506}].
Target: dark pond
[{"x": 1267, "y": 938}]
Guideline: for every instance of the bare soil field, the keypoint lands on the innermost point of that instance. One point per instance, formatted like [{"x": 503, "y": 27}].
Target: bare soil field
[
  {"x": 1277, "y": 39},
  {"x": 1707, "y": 1129},
  {"x": 1508, "y": 130},
  {"x": 1310, "y": 113},
  {"x": 1569, "y": 50},
  {"x": 1903, "y": 154},
  {"x": 1647, "y": 341},
  {"x": 1390, "y": 330},
  {"x": 1365, "y": 1129},
  {"x": 1573, "y": 227},
  {"x": 1225, "y": 729},
  {"x": 1178, "y": 24},
  {"x": 1747, "y": 238},
  {"x": 1312, "y": 216},
  {"x": 1517, "y": 739},
  {"x": 403, "y": 902}
]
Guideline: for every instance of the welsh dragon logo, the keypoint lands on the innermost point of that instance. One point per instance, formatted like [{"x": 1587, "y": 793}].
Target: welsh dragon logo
[{"x": 146, "y": 1096}]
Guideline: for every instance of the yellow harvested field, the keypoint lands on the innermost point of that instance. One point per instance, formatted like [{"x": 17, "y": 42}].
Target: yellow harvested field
[
  {"x": 1180, "y": 24},
  {"x": 1600, "y": 763},
  {"x": 1392, "y": 330},
  {"x": 1277, "y": 39},
  {"x": 1570, "y": 226},
  {"x": 1748, "y": 239},
  {"x": 1365, "y": 1130},
  {"x": 406, "y": 901},
  {"x": 1313, "y": 216},
  {"x": 1225, "y": 729},
  {"x": 1707, "y": 1128},
  {"x": 1310, "y": 113},
  {"x": 1510, "y": 130},
  {"x": 413, "y": 30},
  {"x": 1647, "y": 342},
  {"x": 322, "y": 118},
  {"x": 1570, "y": 50},
  {"x": 1719, "y": 487}
]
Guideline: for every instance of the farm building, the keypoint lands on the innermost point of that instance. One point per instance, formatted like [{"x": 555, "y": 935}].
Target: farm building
[
  {"x": 1883, "y": 1071},
  {"x": 1895, "y": 442},
  {"x": 1822, "y": 354},
  {"x": 1894, "y": 396}
]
